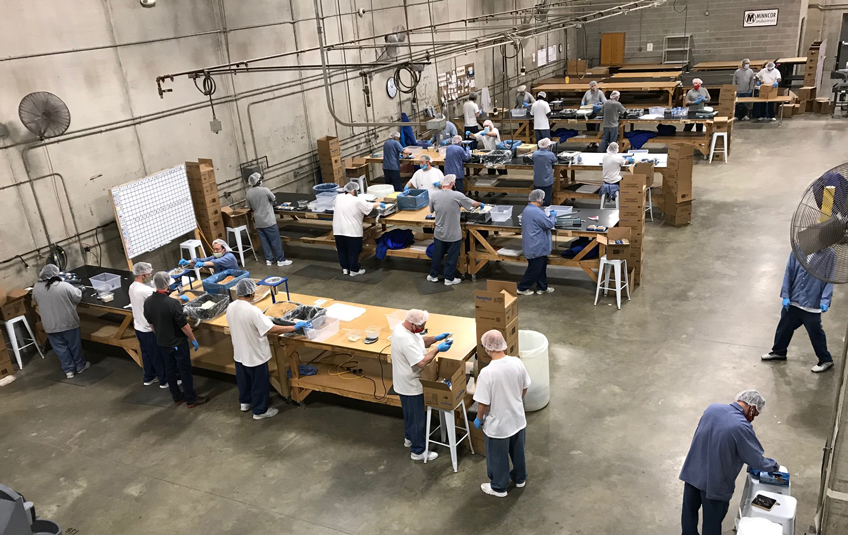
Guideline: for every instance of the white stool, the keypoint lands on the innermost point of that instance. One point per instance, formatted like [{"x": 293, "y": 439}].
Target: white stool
[
  {"x": 713, "y": 150},
  {"x": 447, "y": 428},
  {"x": 604, "y": 277},
  {"x": 240, "y": 248},
  {"x": 13, "y": 338},
  {"x": 194, "y": 249},
  {"x": 604, "y": 198},
  {"x": 782, "y": 513},
  {"x": 753, "y": 485},
  {"x": 649, "y": 207}
]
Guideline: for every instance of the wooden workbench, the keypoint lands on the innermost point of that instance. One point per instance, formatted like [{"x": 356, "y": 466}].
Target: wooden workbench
[
  {"x": 648, "y": 67},
  {"x": 777, "y": 99},
  {"x": 650, "y": 74},
  {"x": 666, "y": 87},
  {"x": 728, "y": 65}
]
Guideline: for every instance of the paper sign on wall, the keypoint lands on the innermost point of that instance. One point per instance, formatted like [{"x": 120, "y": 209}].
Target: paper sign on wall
[
  {"x": 760, "y": 17},
  {"x": 542, "y": 58}
]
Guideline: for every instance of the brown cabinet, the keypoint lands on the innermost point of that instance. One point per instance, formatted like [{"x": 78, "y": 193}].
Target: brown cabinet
[{"x": 612, "y": 49}]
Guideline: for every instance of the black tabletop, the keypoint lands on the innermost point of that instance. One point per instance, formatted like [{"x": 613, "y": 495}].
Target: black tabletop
[
  {"x": 606, "y": 217},
  {"x": 89, "y": 296}
]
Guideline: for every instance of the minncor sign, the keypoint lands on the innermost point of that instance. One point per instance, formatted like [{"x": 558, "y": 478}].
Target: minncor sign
[{"x": 760, "y": 17}]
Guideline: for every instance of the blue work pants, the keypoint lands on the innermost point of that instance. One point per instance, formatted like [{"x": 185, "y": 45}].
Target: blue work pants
[
  {"x": 414, "y": 421},
  {"x": 742, "y": 109},
  {"x": 793, "y": 318},
  {"x": 151, "y": 357},
  {"x": 272, "y": 245},
  {"x": 68, "y": 347},
  {"x": 548, "y": 193},
  {"x": 348, "y": 249},
  {"x": 178, "y": 360},
  {"x": 542, "y": 134},
  {"x": 393, "y": 177},
  {"x": 694, "y": 500},
  {"x": 499, "y": 452},
  {"x": 440, "y": 249},
  {"x": 610, "y": 134},
  {"x": 254, "y": 386},
  {"x": 536, "y": 274}
]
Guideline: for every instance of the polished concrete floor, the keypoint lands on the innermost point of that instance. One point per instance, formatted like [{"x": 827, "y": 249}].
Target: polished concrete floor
[{"x": 628, "y": 388}]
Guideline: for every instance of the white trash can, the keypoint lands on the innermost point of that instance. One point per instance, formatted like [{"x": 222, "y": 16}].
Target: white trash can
[{"x": 533, "y": 351}]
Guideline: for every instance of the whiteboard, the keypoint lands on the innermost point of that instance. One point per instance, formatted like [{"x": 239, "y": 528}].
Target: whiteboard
[{"x": 154, "y": 211}]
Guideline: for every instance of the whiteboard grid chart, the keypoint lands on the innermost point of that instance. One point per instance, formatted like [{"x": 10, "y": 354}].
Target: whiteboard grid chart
[{"x": 154, "y": 211}]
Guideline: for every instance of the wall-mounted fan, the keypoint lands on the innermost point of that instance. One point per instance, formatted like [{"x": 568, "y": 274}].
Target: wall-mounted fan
[
  {"x": 44, "y": 114},
  {"x": 394, "y": 42}
]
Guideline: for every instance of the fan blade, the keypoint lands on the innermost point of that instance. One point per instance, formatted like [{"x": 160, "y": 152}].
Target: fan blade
[{"x": 821, "y": 236}]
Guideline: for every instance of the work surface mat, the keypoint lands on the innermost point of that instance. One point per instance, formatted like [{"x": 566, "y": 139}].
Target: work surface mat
[
  {"x": 85, "y": 379},
  {"x": 319, "y": 272},
  {"x": 426, "y": 287},
  {"x": 370, "y": 277}
]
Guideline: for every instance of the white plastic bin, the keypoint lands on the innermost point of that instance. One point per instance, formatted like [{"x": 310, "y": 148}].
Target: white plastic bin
[
  {"x": 501, "y": 214},
  {"x": 105, "y": 282},
  {"x": 398, "y": 316},
  {"x": 533, "y": 351},
  {"x": 381, "y": 190},
  {"x": 322, "y": 328}
]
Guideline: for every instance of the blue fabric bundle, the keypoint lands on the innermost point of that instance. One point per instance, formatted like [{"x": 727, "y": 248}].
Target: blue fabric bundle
[
  {"x": 563, "y": 134},
  {"x": 394, "y": 239},
  {"x": 639, "y": 137},
  {"x": 666, "y": 130}
]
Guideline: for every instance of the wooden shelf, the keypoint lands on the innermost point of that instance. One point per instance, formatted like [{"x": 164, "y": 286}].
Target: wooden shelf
[{"x": 329, "y": 380}]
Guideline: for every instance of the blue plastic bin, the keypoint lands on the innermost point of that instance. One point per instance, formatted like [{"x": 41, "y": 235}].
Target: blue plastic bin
[
  {"x": 212, "y": 286},
  {"x": 413, "y": 199}
]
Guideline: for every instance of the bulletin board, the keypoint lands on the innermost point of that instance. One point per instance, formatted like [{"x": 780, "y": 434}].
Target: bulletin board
[
  {"x": 457, "y": 83},
  {"x": 153, "y": 211}
]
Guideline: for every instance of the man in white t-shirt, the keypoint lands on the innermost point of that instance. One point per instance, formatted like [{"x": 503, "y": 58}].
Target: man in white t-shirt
[
  {"x": 409, "y": 357},
  {"x": 152, "y": 361},
  {"x": 249, "y": 330},
  {"x": 427, "y": 177},
  {"x": 612, "y": 162},
  {"x": 470, "y": 112},
  {"x": 540, "y": 111},
  {"x": 500, "y": 397},
  {"x": 348, "y": 212}
]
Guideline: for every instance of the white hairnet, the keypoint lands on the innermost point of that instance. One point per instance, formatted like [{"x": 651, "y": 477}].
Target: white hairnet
[
  {"x": 746, "y": 60},
  {"x": 541, "y": 94},
  {"x": 47, "y": 272},
  {"x": 612, "y": 148},
  {"x": 161, "y": 280},
  {"x": 142, "y": 268},
  {"x": 769, "y": 65},
  {"x": 456, "y": 139},
  {"x": 614, "y": 95},
  {"x": 522, "y": 88},
  {"x": 395, "y": 135},
  {"x": 245, "y": 287},
  {"x": 697, "y": 81},
  {"x": 593, "y": 84},
  {"x": 488, "y": 123},
  {"x": 351, "y": 186},
  {"x": 223, "y": 244},
  {"x": 537, "y": 195},
  {"x": 752, "y": 398},
  {"x": 493, "y": 341},
  {"x": 544, "y": 143},
  {"x": 254, "y": 179},
  {"x": 426, "y": 158},
  {"x": 417, "y": 317},
  {"x": 448, "y": 180}
]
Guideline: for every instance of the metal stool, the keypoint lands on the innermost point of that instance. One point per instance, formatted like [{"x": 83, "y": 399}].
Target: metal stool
[
  {"x": 13, "y": 338},
  {"x": 649, "y": 207},
  {"x": 604, "y": 198},
  {"x": 240, "y": 248},
  {"x": 604, "y": 277},
  {"x": 194, "y": 248},
  {"x": 713, "y": 150},
  {"x": 447, "y": 428}
]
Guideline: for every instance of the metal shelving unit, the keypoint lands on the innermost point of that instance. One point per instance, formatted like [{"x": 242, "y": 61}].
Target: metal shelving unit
[{"x": 676, "y": 49}]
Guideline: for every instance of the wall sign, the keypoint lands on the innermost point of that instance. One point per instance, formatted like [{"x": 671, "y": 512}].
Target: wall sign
[{"x": 760, "y": 17}]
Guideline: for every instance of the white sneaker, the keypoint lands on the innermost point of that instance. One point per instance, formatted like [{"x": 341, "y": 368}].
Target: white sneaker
[
  {"x": 267, "y": 414},
  {"x": 761, "y": 119},
  {"x": 179, "y": 382},
  {"x": 284, "y": 263},
  {"x": 355, "y": 273},
  {"x": 746, "y": 118},
  {"x": 549, "y": 290},
  {"x": 772, "y": 118},
  {"x": 822, "y": 367},
  {"x": 420, "y": 456},
  {"x": 772, "y": 356},
  {"x": 87, "y": 366},
  {"x": 432, "y": 279},
  {"x": 526, "y": 292},
  {"x": 407, "y": 443},
  {"x": 268, "y": 262},
  {"x": 487, "y": 488},
  {"x": 345, "y": 272},
  {"x": 163, "y": 385},
  {"x": 451, "y": 283},
  {"x": 244, "y": 407},
  {"x": 69, "y": 375},
  {"x": 521, "y": 485},
  {"x": 148, "y": 383}
]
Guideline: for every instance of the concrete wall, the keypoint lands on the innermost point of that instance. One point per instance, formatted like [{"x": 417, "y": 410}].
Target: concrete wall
[
  {"x": 824, "y": 23},
  {"x": 715, "y": 27},
  {"x": 102, "y": 56}
]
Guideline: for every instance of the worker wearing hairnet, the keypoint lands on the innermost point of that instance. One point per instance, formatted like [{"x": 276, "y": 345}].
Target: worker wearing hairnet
[
  {"x": 222, "y": 258},
  {"x": 426, "y": 177},
  {"x": 523, "y": 98},
  {"x": 769, "y": 76},
  {"x": 455, "y": 157},
  {"x": 743, "y": 78},
  {"x": 612, "y": 109},
  {"x": 262, "y": 201},
  {"x": 445, "y": 135},
  {"x": 805, "y": 299},
  {"x": 543, "y": 169},
  {"x": 536, "y": 243},
  {"x": 696, "y": 99},
  {"x": 152, "y": 361},
  {"x": 612, "y": 162},
  {"x": 723, "y": 442},
  {"x": 409, "y": 356},
  {"x": 348, "y": 212},
  {"x": 392, "y": 151},
  {"x": 540, "y": 110},
  {"x": 447, "y": 205},
  {"x": 590, "y": 98},
  {"x": 249, "y": 331},
  {"x": 57, "y": 305},
  {"x": 173, "y": 335},
  {"x": 501, "y": 387},
  {"x": 489, "y": 137}
]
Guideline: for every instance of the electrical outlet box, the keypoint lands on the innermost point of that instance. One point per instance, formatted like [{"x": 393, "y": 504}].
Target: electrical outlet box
[{"x": 650, "y": 47}]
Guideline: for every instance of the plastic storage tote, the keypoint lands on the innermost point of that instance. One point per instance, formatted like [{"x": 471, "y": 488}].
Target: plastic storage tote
[
  {"x": 322, "y": 328},
  {"x": 501, "y": 214},
  {"x": 213, "y": 285},
  {"x": 413, "y": 199},
  {"x": 105, "y": 282},
  {"x": 395, "y": 317}
]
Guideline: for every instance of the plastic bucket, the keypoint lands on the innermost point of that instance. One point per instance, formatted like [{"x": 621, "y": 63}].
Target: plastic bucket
[
  {"x": 44, "y": 527},
  {"x": 533, "y": 351},
  {"x": 325, "y": 188}
]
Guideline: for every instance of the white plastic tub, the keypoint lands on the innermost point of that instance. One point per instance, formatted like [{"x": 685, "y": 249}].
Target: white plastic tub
[
  {"x": 105, "y": 282},
  {"x": 501, "y": 214},
  {"x": 533, "y": 351},
  {"x": 396, "y": 317},
  {"x": 381, "y": 190},
  {"x": 322, "y": 328}
]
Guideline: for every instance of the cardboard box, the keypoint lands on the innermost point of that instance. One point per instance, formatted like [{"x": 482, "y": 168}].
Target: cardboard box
[
  {"x": 498, "y": 303},
  {"x": 767, "y": 91},
  {"x": 826, "y": 108},
  {"x": 12, "y": 308},
  {"x": 786, "y": 111},
  {"x": 6, "y": 367},
  {"x": 484, "y": 359},
  {"x": 807, "y": 93},
  {"x": 509, "y": 331},
  {"x": 436, "y": 392},
  {"x": 680, "y": 189},
  {"x": 329, "y": 145},
  {"x": 198, "y": 171},
  {"x": 202, "y": 188},
  {"x": 576, "y": 67},
  {"x": 645, "y": 169},
  {"x": 354, "y": 163},
  {"x": 617, "y": 252}
]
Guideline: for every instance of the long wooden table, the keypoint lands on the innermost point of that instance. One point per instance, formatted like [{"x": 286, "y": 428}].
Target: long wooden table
[
  {"x": 778, "y": 99},
  {"x": 726, "y": 65},
  {"x": 647, "y": 67},
  {"x": 619, "y": 76},
  {"x": 666, "y": 87}
]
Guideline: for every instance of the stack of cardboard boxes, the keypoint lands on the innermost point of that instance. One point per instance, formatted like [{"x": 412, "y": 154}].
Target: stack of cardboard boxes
[
  {"x": 496, "y": 308},
  {"x": 631, "y": 214},
  {"x": 815, "y": 54},
  {"x": 330, "y": 159},
  {"x": 727, "y": 101},
  {"x": 204, "y": 196},
  {"x": 6, "y": 368},
  {"x": 676, "y": 197}
]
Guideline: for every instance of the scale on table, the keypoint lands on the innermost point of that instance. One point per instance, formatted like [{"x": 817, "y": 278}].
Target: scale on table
[{"x": 273, "y": 282}]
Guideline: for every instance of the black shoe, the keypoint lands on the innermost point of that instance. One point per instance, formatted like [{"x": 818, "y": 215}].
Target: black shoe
[
  {"x": 199, "y": 400},
  {"x": 179, "y": 400}
]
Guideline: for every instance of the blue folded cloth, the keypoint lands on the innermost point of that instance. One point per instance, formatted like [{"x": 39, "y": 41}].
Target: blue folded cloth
[
  {"x": 638, "y": 138},
  {"x": 304, "y": 369},
  {"x": 610, "y": 190}
]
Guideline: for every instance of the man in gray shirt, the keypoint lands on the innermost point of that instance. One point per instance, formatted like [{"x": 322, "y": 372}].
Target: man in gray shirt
[
  {"x": 261, "y": 201},
  {"x": 447, "y": 205},
  {"x": 744, "y": 80},
  {"x": 57, "y": 305},
  {"x": 696, "y": 99},
  {"x": 612, "y": 110}
]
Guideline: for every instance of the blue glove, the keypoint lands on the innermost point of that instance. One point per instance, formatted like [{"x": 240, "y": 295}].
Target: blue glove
[
  {"x": 553, "y": 214},
  {"x": 195, "y": 344},
  {"x": 445, "y": 346},
  {"x": 786, "y": 303},
  {"x": 478, "y": 423},
  {"x": 824, "y": 307},
  {"x": 482, "y": 205},
  {"x": 442, "y": 336},
  {"x": 302, "y": 324},
  {"x": 758, "y": 82},
  {"x": 406, "y": 188},
  {"x": 184, "y": 262},
  {"x": 630, "y": 161},
  {"x": 775, "y": 84},
  {"x": 184, "y": 298},
  {"x": 526, "y": 104},
  {"x": 382, "y": 205},
  {"x": 467, "y": 133},
  {"x": 582, "y": 103},
  {"x": 436, "y": 183}
]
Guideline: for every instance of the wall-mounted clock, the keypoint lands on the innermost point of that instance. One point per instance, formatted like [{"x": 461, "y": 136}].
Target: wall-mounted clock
[{"x": 391, "y": 88}]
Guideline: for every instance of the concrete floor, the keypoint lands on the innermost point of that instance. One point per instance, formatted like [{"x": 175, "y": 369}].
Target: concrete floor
[{"x": 628, "y": 388}]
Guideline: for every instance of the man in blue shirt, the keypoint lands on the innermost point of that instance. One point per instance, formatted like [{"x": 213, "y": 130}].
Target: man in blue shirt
[
  {"x": 392, "y": 151},
  {"x": 536, "y": 244},
  {"x": 222, "y": 258},
  {"x": 805, "y": 298},
  {"x": 444, "y": 136},
  {"x": 455, "y": 156},
  {"x": 723, "y": 442},
  {"x": 543, "y": 169}
]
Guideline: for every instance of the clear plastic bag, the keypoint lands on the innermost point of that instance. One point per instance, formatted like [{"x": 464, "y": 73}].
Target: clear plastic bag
[
  {"x": 300, "y": 313},
  {"x": 207, "y": 306}
]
